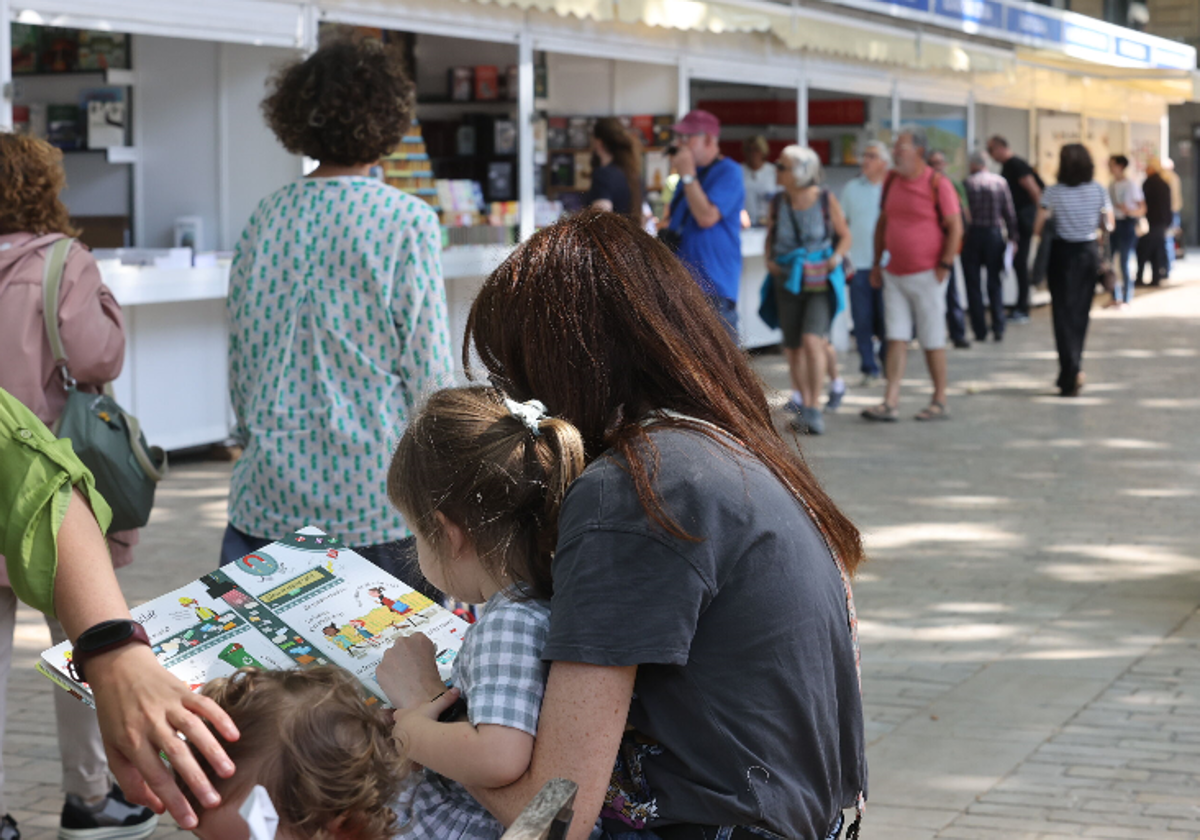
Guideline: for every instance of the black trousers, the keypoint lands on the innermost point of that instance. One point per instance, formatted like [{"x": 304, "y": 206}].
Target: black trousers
[
  {"x": 1025, "y": 219},
  {"x": 984, "y": 249},
  {"x": 1152, "y": 248},
  {"x": 955, "y": 323},
  {"x": 1071, "y": 276}
]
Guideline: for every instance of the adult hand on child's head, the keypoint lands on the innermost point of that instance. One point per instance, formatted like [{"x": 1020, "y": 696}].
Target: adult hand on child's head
[
  {"x": 142, "y": 708},
  {"x": 408, "y": 672}
]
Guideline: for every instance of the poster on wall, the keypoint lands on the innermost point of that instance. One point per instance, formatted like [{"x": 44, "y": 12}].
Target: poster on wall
[
  {"x": 1054, "y": 132},
  {"x": 945, "y": 133}
]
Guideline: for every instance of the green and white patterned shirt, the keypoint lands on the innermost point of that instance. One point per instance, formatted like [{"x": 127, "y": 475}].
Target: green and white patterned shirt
[{"x": 338, "y": 327}]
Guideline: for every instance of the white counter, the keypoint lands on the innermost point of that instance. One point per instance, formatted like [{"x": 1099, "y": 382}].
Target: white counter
[{"x": 175, "y": 379}]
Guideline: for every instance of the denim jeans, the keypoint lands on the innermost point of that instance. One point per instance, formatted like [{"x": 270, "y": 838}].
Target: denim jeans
[
  {"x": 866, "y": 308},
  {"x": 1124, "y": 245},
  {"x": 727, "y": 309},
  {"x": 1176, "y": 223},
  {"x": 984, "y": 249}
]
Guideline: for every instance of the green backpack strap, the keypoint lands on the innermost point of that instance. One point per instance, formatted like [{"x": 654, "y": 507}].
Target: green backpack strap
[{"x": 56, "y": 261}]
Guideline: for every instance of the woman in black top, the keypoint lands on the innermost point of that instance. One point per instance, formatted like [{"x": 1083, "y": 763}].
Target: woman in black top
[{"x": 616, "y": 170}]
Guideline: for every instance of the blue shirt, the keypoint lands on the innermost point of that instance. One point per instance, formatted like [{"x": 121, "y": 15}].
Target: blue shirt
[
  {"x": 713, "y": 255},
  {"x": 860, "y": 204}
]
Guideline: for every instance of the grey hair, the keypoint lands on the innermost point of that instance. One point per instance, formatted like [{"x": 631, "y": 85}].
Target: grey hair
[
  {"x": 881, "y": 149},
  {"x": 977, "y": 160},
  {"x": 806, "y": 165},
  {"x": 920, "y": 138}
]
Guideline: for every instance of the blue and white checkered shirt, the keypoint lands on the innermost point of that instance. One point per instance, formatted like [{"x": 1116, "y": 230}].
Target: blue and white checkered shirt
[{"x": 501, "y": 674}]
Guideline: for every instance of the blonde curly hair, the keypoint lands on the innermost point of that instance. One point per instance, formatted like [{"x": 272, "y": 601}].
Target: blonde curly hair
[
  {"x": 31, "y": 177},
  {"x": 323, "y": 752}
]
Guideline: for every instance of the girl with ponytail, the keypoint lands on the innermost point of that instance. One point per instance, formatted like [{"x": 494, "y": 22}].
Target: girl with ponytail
[
  {"x": 616, "y": 169},
  {"x": 480, "y": 480}
]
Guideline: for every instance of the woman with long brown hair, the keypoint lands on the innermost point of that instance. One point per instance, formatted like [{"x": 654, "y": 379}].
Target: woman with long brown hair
[
  {"x": 702, "y": 632},
  {"x": 617, "y": 179}
]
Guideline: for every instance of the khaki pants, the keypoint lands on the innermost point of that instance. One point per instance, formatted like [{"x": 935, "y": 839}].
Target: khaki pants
[{"x": 84, "y": 765}]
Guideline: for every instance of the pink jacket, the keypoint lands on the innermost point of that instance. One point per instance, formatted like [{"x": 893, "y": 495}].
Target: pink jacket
[{"x": 92, "y": 329}]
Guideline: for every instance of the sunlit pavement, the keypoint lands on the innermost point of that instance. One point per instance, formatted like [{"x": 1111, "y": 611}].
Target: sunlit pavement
[{"x": 1031, "y": 642}]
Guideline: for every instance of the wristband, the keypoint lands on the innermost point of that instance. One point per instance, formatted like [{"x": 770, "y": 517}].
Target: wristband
[{"x": 102, "y": 638}]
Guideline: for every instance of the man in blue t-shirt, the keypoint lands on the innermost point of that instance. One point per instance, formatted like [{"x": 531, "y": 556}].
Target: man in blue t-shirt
[{"x": 706, "y": 213}]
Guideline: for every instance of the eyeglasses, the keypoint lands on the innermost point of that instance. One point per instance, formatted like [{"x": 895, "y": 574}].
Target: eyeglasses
[{"x": 783, "y": 167}]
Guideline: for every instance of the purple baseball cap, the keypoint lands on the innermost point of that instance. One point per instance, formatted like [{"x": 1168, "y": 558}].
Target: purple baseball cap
[{"x": 698, "y": 122}]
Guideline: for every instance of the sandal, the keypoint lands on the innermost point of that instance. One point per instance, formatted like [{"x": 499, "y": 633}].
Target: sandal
[
  {"x": 933, "y": 411},
  {"x": 882, "y": 413}
]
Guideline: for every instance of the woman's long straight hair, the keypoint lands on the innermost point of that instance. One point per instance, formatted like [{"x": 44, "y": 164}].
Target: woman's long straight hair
[
  {"x": 626, "y": 150},
  {"x": 603, "y": 324}
]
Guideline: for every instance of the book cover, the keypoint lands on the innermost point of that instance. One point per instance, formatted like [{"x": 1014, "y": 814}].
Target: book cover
[
  {"x": 512, "y": 83},
  {"x": 59, "y": 50},
  {"x": 63, "y": 126},
  {"x": 104, "y": 110},
  {"x": 579, "y": 133},
  {"x": 462, "y": 83},
  {"x": 556, "y": 133},
  {"x": 643, "y": 124},
  {"x": 487, "y": 82},
  {"x": 656, "y": 168},
  {"x": 26, "y": 47},
  {"x": 299, "y": 603},
  {"x": 562, "y": 170},
  {"x": 662, "y": 129},
  {"x": 583, "y": 171},
  {"x": 103, "y": 50},
  {"x": 504, "y": 139}
]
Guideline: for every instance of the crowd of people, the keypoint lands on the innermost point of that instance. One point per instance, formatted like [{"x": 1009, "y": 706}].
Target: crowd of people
[{"x": 619, "y": 495}]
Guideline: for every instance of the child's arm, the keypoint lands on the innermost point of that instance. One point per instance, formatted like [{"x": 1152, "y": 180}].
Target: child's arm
[{"x": 487, "y": 756}]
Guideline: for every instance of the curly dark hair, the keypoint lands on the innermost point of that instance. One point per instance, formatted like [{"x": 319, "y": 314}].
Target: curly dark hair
[
  {"x": 349, "y": 103},
  {"x": 31, "y": 177},
  {"x": 1075, "y": 165}
]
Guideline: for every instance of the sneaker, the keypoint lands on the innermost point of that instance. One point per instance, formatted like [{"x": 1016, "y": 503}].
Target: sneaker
[
  {"x": 962, "y": 344},
  {"x": 870, "y": 380},
  {"x": 793, "y": 406},
  {"x": 835, "y": 398},
  {"x": 8, "y": 829},
  {"x": 1018, "y": 318},
  {"x": 115, "y": 818},
  {"x": 810, "y": 421}
]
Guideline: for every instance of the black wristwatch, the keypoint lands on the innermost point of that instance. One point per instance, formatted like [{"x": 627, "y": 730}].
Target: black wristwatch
[
  {"x": 101, "y": 638},
  {"x": 947, "y": 266}
]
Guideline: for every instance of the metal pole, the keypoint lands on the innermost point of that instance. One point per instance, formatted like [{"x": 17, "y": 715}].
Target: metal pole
[
  {"x": 972, "y": 141},
  {"x": 525, "y": 117},
  {"x": 895, "y": 109},
  {"x": 802, "y": 112},
  {"x": 683, "y": 84},
  {"x": 6, "y": 90}
]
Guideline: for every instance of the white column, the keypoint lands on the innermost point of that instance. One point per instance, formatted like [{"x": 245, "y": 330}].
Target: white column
[
  {"x": 525, "y": 140},
  {"x": 895, "y": 109},
  {"x": 971, "y": 130},
  {"x": 6, "y": 92},
  {"x": 802, "y": 112},
  {"x": 683, "y": 87}
]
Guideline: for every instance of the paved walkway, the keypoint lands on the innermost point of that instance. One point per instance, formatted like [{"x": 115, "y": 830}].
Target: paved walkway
[{"x": 1031, "y": 640}]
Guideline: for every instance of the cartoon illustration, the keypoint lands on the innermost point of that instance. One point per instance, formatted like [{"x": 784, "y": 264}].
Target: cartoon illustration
[
  {"x": 342, "y": 637},
  {"x": 202, "y": 612},
  {"x": 239, "y": 657},
  {"x": 360, "y": 627}
]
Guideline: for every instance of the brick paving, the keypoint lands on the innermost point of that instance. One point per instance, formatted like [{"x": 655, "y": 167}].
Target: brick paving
[{"x": 1031, "y": 640}]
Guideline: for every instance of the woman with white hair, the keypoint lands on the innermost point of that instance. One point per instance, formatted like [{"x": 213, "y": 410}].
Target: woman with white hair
[{"x": 807, "y": 241}]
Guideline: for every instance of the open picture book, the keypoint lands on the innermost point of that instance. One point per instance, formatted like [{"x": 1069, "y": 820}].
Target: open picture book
[{"x": 302, "y": 602}]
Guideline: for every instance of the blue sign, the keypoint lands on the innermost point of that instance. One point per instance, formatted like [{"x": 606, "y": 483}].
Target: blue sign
[
  {"x": 1081, "y": 36},
  {"x": 982, "y": 12},
  {"x": 1033, "y": 25},
  {"x": 1133, "y": 50},
  {"x": 915, "y": 5}
]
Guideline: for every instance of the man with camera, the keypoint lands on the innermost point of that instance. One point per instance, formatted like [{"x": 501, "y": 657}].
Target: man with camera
[{"x": 705, "y": 226}]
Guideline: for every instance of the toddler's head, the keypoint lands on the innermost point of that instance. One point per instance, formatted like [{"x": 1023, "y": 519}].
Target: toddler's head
[
  {"x": 324, "y": 756},
  {"x": 481, "y": 488}
]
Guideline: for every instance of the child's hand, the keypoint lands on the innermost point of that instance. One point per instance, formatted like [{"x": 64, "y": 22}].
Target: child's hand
[
  {"x": 431, "y": 710},
  {"x": 408, "y": 672}
]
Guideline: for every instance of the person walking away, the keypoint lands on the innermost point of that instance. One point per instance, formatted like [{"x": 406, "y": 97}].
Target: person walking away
[
  {"x": 1172, "y": 178},
  {"x": 617, "y": 177},
  {"x": 807, "y": 240},
  {"x": 991, "y": 220},
  {"x": 32, "y": 219},
  {"x": 1128, "y": 206},
  {"x": 758, "y": 179},
  {"x": 920, "y": 228},
  {"x": 955, "y": 321},
  {"x": 1152, "y": 248},
  {"x": 1026, "y": 188},
  {"x": 338, "y": 320},
  {"x": 1079, "y": 206},
  {"x": 706, "y": 213},
  {"x": 860, "y": 204}
]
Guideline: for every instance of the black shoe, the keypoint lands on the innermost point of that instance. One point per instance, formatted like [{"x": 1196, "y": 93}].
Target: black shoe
[
  {"x": 962, "y": 344},
  {"x": 999, "y": 337},
  {"x": 116, "y": 818},
  {"x": 8, "y": 829}
]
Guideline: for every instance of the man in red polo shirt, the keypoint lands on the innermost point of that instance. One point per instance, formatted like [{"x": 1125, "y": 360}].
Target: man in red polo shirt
[{"x": 920, "y": 228}]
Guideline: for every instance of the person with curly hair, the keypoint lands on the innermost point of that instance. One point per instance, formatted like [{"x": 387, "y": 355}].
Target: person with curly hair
[
  {"x": 337, "y": 309},
  {"x": 324, "y": 755},
  {"x": 32, "y": 219}
]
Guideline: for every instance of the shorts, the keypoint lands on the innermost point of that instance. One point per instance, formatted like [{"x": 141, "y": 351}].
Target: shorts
[
  {"x": 808, "y": 313},
  {"x": 915, "y": 300}
]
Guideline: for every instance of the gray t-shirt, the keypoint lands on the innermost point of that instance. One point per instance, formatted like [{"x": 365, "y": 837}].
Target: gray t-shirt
[{"x": 746, "y": 709}]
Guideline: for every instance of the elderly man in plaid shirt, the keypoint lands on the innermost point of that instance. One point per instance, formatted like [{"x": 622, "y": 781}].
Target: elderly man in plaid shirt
[{"x": 989, "y": 206}]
